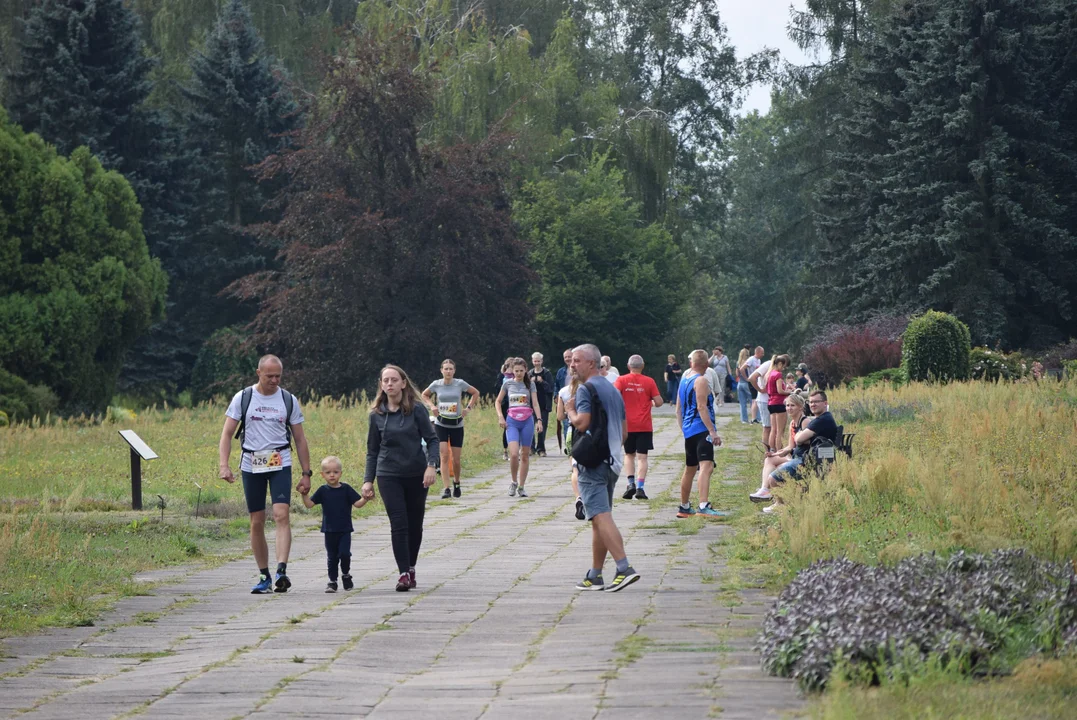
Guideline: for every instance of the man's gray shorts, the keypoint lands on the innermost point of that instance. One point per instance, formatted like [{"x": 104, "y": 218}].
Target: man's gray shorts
[{"x": 596, "y": 489}]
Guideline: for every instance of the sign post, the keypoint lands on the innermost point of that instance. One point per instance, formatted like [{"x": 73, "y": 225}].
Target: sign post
[{"x": 139, "y": 451}]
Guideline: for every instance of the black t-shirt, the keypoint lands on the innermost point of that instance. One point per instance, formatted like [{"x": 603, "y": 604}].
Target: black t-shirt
[
  {"x": 671, "y": 371},
  {"x": 802, "y": 382},
  {"x": 336, "y": 505},
  {"x": 824, "y": 426}
]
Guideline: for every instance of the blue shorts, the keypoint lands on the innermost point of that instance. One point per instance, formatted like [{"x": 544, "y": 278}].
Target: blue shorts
[
  {"x": 279, "y": 483},
  {"x": 520, "y": 431},
  {"x": 596, "y": 489},
  {"x": 787, "y": 470}
]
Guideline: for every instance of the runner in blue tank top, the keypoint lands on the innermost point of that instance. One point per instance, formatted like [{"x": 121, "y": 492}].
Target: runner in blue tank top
[{"x": 700, "y": 436}]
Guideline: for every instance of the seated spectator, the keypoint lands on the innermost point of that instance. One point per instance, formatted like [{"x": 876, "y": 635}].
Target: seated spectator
[
  {"x": 803, "y": 379},
  {"x": 822, "y": 426},
  {"x": 791, "y": 457}
]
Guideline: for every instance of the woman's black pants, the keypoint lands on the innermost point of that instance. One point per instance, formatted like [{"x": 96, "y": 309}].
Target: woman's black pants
[{"x": 405, "y": 504}]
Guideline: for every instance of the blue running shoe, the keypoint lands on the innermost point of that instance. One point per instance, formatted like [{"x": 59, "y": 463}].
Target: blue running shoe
[
  {"x": 684, "y": 511},
  {"x": 708, "y": 511},
  {"x": 264, "y": 586}
]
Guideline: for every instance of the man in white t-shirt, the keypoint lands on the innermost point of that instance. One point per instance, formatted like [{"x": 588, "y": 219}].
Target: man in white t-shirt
[
  {"x": 758, "y": 378},
  {"x": 607, "y": 370},
  {"x": 267, "y": 417},
  {"x": 751, "y": 365}
]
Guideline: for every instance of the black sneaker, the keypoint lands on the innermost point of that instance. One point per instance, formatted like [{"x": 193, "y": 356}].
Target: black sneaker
[
  {"x": 456, "y": 489},
  {"x": 623, "y": 580},
  {"x": 579, "y": 509},
  {"x": 347, "y": 581},
  {"x": 640, "y": 495},
  {"x": 447, "y": 494},
  {"x": 282, "y": 584},
  {"x": 331, "y": 587},
  {"x": 630, "y": 491}
]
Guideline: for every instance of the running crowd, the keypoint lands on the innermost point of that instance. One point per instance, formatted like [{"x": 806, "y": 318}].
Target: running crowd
[{"x": 603, "y": 421}]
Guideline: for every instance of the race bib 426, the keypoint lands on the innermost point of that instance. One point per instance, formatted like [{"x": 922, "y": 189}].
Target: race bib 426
[{"x": 266, "y": 461}]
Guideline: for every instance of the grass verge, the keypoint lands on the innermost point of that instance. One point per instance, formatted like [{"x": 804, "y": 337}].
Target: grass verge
[{"x": 973, "y": 466}]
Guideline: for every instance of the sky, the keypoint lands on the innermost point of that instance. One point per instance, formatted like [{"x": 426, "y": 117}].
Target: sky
[{"x": 757, "y": 24}]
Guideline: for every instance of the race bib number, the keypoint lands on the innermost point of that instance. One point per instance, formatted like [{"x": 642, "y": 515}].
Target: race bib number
[
  {"x": 449, "y": 409},
  {"x": 266, "y": 461},
  {"x": 517, "y": 400}
]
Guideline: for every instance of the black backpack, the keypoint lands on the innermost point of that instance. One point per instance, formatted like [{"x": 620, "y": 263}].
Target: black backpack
[
  {"x": 592, "y": 448},
  {"x": 245, "y": 404}
]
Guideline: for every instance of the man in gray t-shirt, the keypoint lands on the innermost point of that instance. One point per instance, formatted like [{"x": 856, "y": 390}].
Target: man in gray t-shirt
[{"x": 596, "y": 484}]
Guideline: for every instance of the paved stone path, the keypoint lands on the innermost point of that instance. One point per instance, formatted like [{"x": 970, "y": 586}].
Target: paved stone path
[{"x": 494, "y": 630}]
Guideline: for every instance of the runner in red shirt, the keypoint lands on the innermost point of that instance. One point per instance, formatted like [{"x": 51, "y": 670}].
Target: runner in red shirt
[{"x": 640, "y": 394}]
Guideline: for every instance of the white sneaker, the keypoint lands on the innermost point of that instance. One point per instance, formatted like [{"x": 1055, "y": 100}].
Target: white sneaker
[
  {"x": 761, "y": 495},
  {"x": 512, "y": 489},
  {"x": 770, "y": 509}
]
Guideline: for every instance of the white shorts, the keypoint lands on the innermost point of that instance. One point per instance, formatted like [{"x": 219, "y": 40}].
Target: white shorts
[{"x": 764, "y": 413}]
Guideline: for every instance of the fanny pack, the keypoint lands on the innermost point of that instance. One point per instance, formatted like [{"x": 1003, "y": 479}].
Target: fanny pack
[{"x": 449, "y": 422}]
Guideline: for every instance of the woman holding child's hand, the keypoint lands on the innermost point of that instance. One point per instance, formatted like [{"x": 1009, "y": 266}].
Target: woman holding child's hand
[{"x": 404, "y": 471}]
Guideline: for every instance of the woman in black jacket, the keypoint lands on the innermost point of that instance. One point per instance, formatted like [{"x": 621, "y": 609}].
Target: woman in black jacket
[{"x": 395, "y": 456}]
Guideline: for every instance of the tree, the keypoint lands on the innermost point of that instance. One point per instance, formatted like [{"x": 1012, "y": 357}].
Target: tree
[
  {"x": 972, "y": 196},
  {"x": 605, "y": 276},
  {"x": 238, "y": 112},
  {"x": 390, "y": 252},
  {"x": 83, "y": 79},
  {"x": 79, "y": 285}
]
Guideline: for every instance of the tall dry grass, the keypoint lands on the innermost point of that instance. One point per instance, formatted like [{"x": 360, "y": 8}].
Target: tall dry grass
[
  {"x": 51, "y": 460},
  {"x": 969, "y": 465}
]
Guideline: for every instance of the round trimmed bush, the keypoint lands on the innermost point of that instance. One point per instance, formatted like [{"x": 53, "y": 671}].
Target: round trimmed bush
[{"x": 936, "y": 347}]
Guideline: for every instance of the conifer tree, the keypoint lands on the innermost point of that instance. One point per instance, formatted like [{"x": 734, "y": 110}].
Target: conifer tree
[
  {"x": 83, "y": 79},
  {"x": 238, "y": 112},
  {"x": 961, "y": 203}
]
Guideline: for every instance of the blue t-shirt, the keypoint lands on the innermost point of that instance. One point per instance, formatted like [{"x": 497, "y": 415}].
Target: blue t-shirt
[
  {"x": 615, "y": 410},
  {"x": 691, "y": 422},
  {"x": 336, "y": 505}
]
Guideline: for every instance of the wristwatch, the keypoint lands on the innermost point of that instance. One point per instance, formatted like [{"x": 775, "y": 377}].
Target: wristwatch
[{"x": 307, "y": 473}]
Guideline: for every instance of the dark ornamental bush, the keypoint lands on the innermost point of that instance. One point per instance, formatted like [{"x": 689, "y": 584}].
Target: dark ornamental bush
[
  {"x": 842, "y": 352},
  {"x": 979, "y": 614}
]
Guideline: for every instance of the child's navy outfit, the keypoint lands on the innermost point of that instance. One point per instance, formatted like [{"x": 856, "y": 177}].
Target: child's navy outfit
[{"x": 337, "y": 505}]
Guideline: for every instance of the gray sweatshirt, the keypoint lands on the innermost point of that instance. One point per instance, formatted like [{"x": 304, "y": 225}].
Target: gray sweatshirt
[{"x": 394, "y": 444}]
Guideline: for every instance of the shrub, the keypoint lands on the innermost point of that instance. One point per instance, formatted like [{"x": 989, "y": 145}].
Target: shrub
[
  {"x": 937, "y": 347},
  {"x": 225, "y": 363},
  {"x": 894, "y": 377},
  {"x": 842, "y": 352},
  {"x": 19, "y": 400},
  {"x": 1054, "y": 358},
  {"x": 972, "y": 613},
  {"x": 995, "y": 365}
]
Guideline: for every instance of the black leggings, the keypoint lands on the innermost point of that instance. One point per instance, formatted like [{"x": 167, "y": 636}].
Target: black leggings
[
  {"x": 338, "y": 549},
  {"x": 405, "y": 504}
]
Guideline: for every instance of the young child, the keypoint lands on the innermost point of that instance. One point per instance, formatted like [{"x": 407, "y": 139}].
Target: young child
[{"x": 337, "y": 500}]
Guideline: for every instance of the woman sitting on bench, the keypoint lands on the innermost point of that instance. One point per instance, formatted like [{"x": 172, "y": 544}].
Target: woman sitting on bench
[{"x": 788, "y": 459}]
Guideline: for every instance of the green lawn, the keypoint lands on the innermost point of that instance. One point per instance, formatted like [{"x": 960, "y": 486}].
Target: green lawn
[{"x": 71, "y": 544}]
